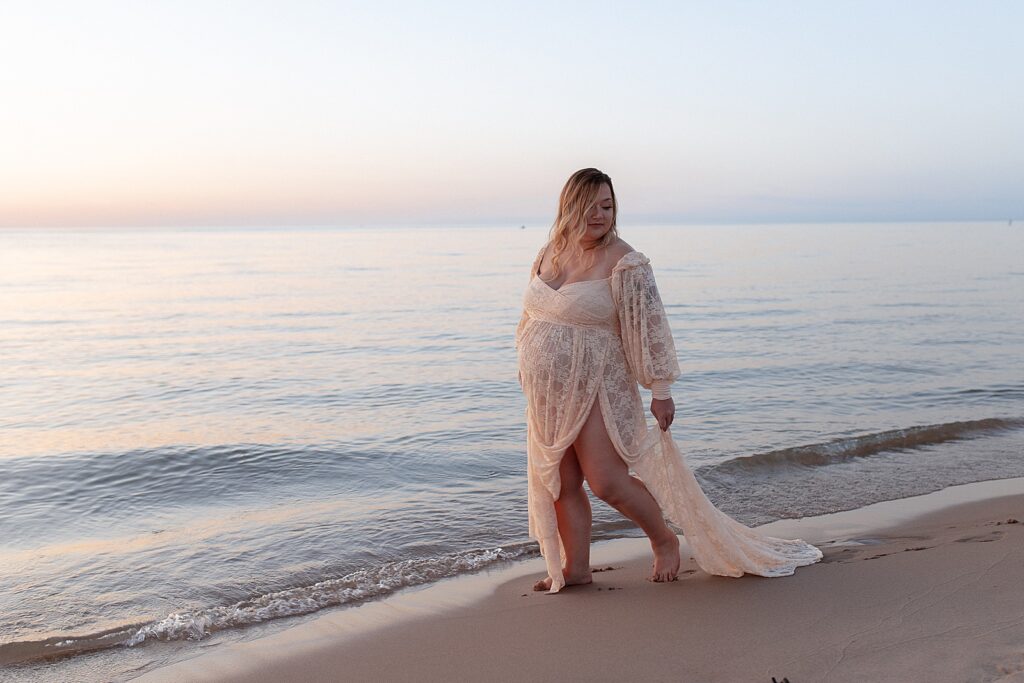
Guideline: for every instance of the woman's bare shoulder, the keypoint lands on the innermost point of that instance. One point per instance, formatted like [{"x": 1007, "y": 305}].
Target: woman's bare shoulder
[{"x": 618, "y": 249}]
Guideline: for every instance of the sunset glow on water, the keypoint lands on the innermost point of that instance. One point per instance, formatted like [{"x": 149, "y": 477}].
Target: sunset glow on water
[{"x": 196, "y": 421}]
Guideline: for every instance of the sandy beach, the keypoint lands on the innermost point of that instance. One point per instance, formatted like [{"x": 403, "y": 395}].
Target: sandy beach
[{"x": 919, "y": 589}]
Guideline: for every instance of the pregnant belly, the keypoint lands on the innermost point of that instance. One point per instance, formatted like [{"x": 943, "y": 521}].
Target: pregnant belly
[
  {"x": 545, "y": 349},
  {"x": 558, "y": 355}
]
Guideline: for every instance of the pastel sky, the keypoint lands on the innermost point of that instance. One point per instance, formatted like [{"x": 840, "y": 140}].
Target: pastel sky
[{"x": 358, "y": 113}]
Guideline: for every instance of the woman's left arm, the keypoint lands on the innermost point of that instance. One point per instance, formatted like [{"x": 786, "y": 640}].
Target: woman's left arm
[{"x": 646, "y": 335}]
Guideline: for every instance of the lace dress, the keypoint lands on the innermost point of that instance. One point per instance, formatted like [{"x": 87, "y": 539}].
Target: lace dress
[{"x": 594, "y": 340}]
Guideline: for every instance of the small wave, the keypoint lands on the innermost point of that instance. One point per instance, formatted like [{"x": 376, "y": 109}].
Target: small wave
[
  {"x": 1008, "y": 392},
  {"x": 839, "y": 450},
  {"x": 41, "y": 490},
  {"x": 359, "y": 586}
]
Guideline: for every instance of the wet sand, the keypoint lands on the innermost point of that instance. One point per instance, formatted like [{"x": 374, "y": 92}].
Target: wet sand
[{"x": 921, "y": 589}]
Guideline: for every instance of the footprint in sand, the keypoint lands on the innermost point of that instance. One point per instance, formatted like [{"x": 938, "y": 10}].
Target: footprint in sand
[{"x": 984, "y": 538}]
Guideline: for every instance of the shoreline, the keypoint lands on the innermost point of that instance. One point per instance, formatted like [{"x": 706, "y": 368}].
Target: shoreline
[{"x": 920, "y": 588}]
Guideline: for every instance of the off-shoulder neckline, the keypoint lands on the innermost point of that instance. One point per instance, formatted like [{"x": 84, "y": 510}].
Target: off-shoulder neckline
[{"x": 540, "y": 259}]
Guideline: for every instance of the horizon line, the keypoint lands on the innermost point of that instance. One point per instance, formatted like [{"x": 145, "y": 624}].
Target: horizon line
[{"x": 485, "y": 224}]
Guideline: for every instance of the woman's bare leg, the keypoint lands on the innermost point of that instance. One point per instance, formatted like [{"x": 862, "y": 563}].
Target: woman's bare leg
[
  {"x": 574, "y": 520},
  {"x": 609, "y": 479}
]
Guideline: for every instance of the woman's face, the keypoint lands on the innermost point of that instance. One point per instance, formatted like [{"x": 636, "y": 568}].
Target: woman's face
[{"x": 599, "y": 217}]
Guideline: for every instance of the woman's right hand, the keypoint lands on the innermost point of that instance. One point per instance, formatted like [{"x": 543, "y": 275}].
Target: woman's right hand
[{"x": 664, "y": 411}]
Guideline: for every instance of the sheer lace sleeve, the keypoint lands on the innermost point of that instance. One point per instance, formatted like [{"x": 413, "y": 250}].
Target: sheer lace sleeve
[
  {"x": 646, "y": 336},
  {"x": 525, "y": 316}
]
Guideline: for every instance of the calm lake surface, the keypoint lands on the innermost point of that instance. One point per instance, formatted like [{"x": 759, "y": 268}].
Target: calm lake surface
[{"x": 206, "y": 434}]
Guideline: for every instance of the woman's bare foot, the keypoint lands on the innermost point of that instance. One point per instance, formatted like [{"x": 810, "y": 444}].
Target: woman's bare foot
[
  {"x": 570, "y": 580},
  {"x": 666, "y": 559}
]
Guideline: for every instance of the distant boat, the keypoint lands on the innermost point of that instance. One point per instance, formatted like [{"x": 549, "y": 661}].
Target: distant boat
[{"x": 523, "y": 227}]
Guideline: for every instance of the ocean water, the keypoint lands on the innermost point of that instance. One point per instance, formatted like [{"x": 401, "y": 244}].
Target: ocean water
[{"x": 208, "y": 434}]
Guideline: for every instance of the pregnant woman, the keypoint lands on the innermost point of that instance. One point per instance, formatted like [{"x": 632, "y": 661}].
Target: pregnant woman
[{"x": 593, "y": 327}]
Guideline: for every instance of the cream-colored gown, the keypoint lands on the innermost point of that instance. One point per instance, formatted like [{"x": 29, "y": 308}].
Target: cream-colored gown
[{"x": 594, "y": 340}]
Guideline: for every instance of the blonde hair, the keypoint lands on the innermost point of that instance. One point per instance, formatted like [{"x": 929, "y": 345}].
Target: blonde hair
[{"x": 578, "y": 196}]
